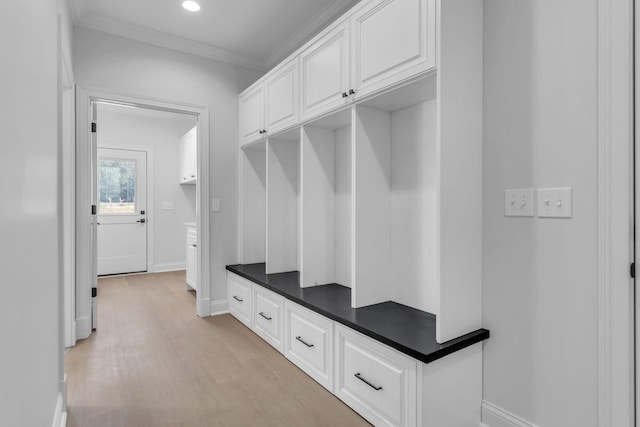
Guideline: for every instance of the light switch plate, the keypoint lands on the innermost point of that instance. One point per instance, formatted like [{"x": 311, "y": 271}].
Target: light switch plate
[
  {"x": 519, "y": 202},
  {"x": 167, "y": 205},
  {"x": 215, "y": 205},
  {"x": 555, "y": 202}
]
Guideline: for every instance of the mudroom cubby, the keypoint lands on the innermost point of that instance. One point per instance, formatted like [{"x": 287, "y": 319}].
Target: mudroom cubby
[
  {"x": 326, "y": 201},
  {"x": 283, "y": 201},
  {"x": 395, "y": 201},
  {"x": 371, "y": 210},
  {"x": 253, "y": 193}
]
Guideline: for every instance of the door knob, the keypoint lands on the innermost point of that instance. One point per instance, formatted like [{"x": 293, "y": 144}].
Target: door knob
[{"x": 141, "y": 220}]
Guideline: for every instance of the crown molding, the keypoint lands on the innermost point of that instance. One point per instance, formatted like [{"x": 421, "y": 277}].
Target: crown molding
[
  {"x": 307, "y": 30},
  {"x": 169, "y": 41}
]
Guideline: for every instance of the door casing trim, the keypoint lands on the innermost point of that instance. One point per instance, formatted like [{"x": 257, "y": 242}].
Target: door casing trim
[{"x": 84, "y": 97}]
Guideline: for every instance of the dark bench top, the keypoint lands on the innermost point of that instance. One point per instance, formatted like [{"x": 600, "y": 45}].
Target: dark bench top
[{"x": 410, "y": 331}]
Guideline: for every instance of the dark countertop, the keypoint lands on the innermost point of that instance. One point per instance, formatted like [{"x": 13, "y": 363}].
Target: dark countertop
[{"x": 406, "y": 329}]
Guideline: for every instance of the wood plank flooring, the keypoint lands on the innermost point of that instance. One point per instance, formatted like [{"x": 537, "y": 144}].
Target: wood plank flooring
[{"x": 153, "y": 362}]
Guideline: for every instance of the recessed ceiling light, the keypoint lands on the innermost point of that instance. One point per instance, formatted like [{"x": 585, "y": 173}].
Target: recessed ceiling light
[{"x": 191, "y": 5}]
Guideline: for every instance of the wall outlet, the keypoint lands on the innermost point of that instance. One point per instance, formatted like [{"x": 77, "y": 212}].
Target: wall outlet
[
  {"x": 554, "y": 202},
  {"x": 215, "y": 205},
  {"x": 519, "y": 202}
]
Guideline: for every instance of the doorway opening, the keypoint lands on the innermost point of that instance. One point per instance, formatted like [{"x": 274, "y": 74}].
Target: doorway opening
[{"x": 124, "y": 225}]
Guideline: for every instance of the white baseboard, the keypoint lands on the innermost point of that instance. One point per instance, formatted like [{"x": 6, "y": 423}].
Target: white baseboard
[
  {"x": 83, "y": 327},
  {"x": 219, "y": 307},
  {"x": 62, "y": 387},
  {"x": 203, "y": 307},
  {"x": 170, "y": 266},
  {"x": 60, "y": 416},
  {"x": 494, "y": 416}
]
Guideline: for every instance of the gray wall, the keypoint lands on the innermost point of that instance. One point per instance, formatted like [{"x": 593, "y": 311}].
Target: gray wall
[
  {"x": 540, "y": 276},
  {"x": 127, "y": 66},
  {"x": 31, "y": 359}
]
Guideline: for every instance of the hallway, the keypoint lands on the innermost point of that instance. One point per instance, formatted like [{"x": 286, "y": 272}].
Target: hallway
[{"x": 153, "y": 362}]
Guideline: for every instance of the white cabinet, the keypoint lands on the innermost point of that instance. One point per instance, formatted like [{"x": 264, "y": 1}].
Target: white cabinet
[
  {"x": 188, "y": 150},
  {"x": 239, "y": 291},
  {"x": 374, "y": 46},
  {"x": 281, "y": 97},
  {"x": 270, "y": 105},
  {"x": 268, "y": 317},
  {"x": 309, "y": 343},
  {"x": 251, "y": 114},
  {"x": 376, "y": 381},
  {"x": 324, "y": 69},
  {"x": 192, "y": 253},
  {"x": 391, "y": 40}
]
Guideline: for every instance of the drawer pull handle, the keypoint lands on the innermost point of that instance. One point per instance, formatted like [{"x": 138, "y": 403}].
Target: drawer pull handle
[
  {"x": 358, "y": 376},
  {"x": 304, "y": 342},
  {"x": 264, "y": 315},
  {"x": 237, "y": 299}
]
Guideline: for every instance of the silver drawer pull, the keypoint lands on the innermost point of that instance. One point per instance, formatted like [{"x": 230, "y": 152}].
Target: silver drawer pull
[
  {"x": 237, "y": 299},
  {"x": 304, "y": 342},
  {"x": 367, "y": 382},
  {"x": 264, "y": 315}
]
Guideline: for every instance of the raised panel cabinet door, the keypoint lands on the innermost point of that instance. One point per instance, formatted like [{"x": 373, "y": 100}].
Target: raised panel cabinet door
[
  {"x": 239, "y": 291},
  {"x": 191, "y": 155},
  {"x": 188, "y": 157},
  {"x": 376, "y": 381},
  {"x": 281, "y": 92},
  {"x": 309, "y": 343},
  {"x": 324, "y": 69},
  {"x": 392, "y": 40},
  {"x": 191, "y": 260},
  {"x": 268, "y": 317},
  {"x": 251, "y": 111}
]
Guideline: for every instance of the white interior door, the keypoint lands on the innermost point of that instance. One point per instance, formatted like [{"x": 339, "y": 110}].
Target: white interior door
[{"x": 122, "y": 205}]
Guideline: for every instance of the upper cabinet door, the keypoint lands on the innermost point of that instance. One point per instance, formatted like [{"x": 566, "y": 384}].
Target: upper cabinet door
[
  {"x": 251, "y": 113},
  {"x": 281, "y": 89},
  {"x": 324, "y": 69},
  {"x": 391, "y": 40},
  {"x": 189, "y": 157}
]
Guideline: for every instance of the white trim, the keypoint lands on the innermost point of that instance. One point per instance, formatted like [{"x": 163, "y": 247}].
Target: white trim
[
  {"x": 85, "y": 96},
  {"x": 167, "y": 266},
  {"x": 494, "y": 416},
  {"x": 60, "y": 415},
  {"x": 83, "y": 324},
  {"x": 615, "y": 341},
  {"x": 305, "y": 33},
  {"x": 604, "y": 232},
  {"x": 169, "y": 41},
  {"x": 219, "y": 307}
]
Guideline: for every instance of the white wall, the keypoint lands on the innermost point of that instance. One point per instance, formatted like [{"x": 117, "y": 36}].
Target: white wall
[
  {"x": 31, "y": 361},
  {"x": 158, "y": 131},
  {"x": 122, "y": 65},
  {"x": 540, "y": 275}
]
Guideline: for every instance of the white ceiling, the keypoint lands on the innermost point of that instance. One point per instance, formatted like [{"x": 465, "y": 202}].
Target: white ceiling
[{"x": 254, "y": 33}]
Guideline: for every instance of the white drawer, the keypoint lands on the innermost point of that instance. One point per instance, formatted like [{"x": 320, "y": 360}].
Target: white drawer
[
  {"x": 309, "y": 343},
  {"x": 375, "y": 380},
  {"x": 268, "y": 319},
  {"x": 239, "y": 295}
]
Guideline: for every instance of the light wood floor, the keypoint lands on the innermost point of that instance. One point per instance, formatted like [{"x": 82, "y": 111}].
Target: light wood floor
[{"x": 153, "y": 362}]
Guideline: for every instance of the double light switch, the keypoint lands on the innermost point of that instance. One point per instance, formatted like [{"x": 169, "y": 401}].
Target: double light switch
[{"x": 549, "y": 202}]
